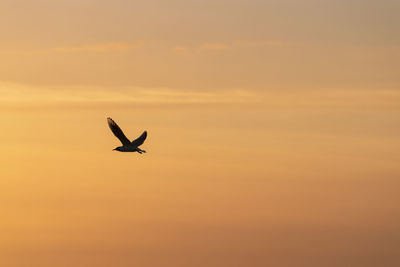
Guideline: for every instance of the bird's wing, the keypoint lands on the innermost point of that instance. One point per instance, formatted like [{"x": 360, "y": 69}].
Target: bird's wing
[
  {"x": 140, "y": 140},
  {"x": 118, "y": 132}
]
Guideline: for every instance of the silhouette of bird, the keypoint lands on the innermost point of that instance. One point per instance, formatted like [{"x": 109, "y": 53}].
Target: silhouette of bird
[{"x": 127, "y": 146}]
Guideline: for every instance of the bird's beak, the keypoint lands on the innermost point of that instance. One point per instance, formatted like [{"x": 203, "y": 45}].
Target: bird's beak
[{"x": 114, "y": 149}]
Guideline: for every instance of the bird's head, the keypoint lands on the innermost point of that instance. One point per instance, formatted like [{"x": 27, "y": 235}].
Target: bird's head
[{"x": 117, "y": 148}]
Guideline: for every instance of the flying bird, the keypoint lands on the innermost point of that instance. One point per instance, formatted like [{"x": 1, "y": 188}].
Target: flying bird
[{"x": 127, "y": 146}]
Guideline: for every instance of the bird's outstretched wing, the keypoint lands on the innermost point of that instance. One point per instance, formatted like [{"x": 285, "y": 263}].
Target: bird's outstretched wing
[
  {"x": 118, "y": 132},
  {"x": 140, "y": 140}
]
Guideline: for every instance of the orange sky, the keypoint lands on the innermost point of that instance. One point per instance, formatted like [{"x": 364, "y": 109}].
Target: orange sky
[{"x": 273, "y": 133}]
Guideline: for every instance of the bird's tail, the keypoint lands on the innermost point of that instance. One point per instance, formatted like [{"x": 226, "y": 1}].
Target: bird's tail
[{"x": 141, "y": 151}]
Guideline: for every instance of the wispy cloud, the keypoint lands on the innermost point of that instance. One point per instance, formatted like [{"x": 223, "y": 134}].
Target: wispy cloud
[
  {"x": 22, "y": 94},
  {"x": 219, "y": 46},
  {"x": 243, "y": 44},
  {"x": 353, "y": 99},
  {"x": 101, "y": 47},
  {"x": 214, "y": 46},
  {"x": 259, "y": 43},
  {"x": 181, "y": 49}
]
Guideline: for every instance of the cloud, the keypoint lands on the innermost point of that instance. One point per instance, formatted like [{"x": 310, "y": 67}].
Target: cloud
[
  {"x": 259, "y": 43},
  {"x": 351, "y": 99},
  {"x": 101, "y": 47},
  {"x": 181, "y": 49},
  {"x": 25, "y": 94},
  {"x": 214, "y": 46},
  {"x": 241, "y": 44}
]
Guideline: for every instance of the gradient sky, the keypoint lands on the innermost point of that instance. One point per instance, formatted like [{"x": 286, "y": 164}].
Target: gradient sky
[{"x": 273, "y": 133}]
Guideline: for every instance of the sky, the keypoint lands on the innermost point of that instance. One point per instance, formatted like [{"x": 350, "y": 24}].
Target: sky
[{"x": 273, "y": 133}]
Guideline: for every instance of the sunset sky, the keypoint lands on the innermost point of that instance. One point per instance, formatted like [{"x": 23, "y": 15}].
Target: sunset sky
[{"x": 273, "y": 133}]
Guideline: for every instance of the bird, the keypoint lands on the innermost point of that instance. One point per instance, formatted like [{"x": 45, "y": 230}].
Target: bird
[{"x": 127, "y": 146}]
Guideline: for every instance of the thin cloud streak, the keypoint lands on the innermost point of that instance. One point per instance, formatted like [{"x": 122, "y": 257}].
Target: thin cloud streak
[
  {"x": 101, "y": 47},
  {"x": 15, "y": 93},
  {"x": 214, "y": 46},
  {"x": 181, "y": 49},
  {"x": 261, "y": 43},
  {"x": 311, "y": 99},
  {"x": 220, "y": 46}
]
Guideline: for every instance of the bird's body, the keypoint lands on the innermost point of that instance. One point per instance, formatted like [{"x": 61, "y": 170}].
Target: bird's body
[{"x": 127, "y": 146}]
